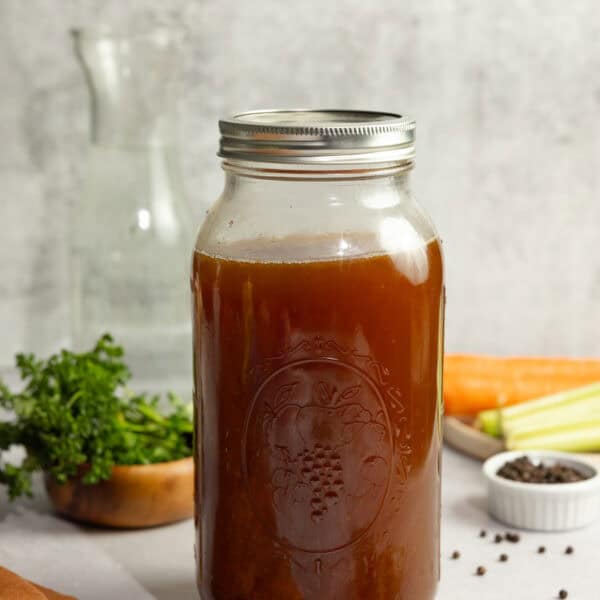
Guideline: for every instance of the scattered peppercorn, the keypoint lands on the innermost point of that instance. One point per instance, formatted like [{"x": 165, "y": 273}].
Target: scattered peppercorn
[
  {"x": 563, "y": 594},
  {"x": 480, "y": 571},
  {"x": 455, "y": 555},
  {"x": 498, "y": 538},
  {"x": 503, "y": 557},
  {"x": 482, "y": 533},
  {"x": 541, "y": 549},
  {"x": 569, "y": 550},
  {"x": 513, "y": 538}
]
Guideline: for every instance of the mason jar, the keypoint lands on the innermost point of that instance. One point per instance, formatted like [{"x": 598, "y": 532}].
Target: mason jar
[{"x": 318, "y": 331}]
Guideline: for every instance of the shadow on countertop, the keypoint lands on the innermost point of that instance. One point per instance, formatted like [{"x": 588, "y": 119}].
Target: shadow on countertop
[{"x": 169, "y": 590}]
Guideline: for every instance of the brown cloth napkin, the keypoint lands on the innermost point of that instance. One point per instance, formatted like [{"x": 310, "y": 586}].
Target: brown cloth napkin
[{"x": 13, "y": 587}]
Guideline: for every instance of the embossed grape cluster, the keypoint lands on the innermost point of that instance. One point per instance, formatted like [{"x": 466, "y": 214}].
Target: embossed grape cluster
[{"x": 321, "y": 469}]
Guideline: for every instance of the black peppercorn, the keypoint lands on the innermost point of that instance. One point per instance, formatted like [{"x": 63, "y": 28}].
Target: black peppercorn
[
  {"x": 569, "y": 550},
  {"x": 541, "y": 549},
  {"x": 480, "y": 571},
  {"x": 524, "y": 470},
  {"x": 455, "y": 555},
  {"x": 563, "y": 594},
  {"x": 503, "y": 557}
]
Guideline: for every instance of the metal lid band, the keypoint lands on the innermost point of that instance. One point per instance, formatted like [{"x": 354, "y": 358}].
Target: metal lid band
[{"x": 317, "y": 137}]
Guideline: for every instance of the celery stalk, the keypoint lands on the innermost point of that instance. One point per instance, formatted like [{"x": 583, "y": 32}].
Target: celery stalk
[
  {"x": 553, "y": 426},
  {"x": 518, "y": 411},
  {"x": 587, "y": 408},
  {"x": 559, "y": 421},
  {"x": 580, "y": 437}
]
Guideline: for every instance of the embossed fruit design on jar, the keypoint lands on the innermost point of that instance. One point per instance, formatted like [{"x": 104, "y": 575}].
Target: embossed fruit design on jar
[
  {"x": 319, "y": 439},
  {"x": 318, "y": 327}
]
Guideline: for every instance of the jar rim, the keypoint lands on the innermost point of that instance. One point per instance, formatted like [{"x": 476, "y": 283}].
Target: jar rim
[
  {"x": 318, "y": 136},
  {"x": 160, "y": 33}
]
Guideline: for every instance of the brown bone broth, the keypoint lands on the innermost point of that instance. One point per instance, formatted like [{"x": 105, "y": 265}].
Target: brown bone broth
[{"x": 317, "y": 395}]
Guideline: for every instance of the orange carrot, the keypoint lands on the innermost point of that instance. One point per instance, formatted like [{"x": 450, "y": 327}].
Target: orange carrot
[{"x": 473, "y": 383}]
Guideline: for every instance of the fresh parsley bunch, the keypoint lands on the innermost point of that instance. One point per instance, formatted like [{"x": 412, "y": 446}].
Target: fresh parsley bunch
[{"x": 75, "y": 417}]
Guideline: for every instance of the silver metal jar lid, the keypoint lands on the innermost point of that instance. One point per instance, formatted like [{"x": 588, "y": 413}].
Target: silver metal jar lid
[{"x": 318, "y": 137}]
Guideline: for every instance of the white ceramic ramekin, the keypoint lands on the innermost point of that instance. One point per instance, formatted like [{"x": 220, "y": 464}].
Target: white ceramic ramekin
[{"x": 541, "y": 506}]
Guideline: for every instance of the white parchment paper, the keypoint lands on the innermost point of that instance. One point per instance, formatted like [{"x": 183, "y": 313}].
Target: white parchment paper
[{"x": 54, "y": 553}]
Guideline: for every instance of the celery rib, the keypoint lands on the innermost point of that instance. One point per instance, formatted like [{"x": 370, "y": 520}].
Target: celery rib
[
  {"x": 582, "y": 437},
  {"x": 568, "y": 421}
]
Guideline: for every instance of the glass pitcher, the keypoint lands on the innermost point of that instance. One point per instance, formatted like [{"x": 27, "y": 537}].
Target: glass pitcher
[
  {"x": 318, "y": 326},
  {"x": 131, "y": 229}
]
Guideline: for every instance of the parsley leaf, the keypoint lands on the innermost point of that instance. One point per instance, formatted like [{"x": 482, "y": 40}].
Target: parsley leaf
[{"x": 76, "y": 417}]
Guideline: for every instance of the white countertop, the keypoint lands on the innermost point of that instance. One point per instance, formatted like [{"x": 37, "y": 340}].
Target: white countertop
[{"x": 158, "y": 563}]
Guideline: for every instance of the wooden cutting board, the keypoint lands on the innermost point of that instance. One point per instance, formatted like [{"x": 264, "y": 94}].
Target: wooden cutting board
[{"x": 461, "y": 435}]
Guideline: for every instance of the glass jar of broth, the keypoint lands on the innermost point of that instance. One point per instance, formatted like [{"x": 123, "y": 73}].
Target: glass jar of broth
[{"x": 318, "y": 330}]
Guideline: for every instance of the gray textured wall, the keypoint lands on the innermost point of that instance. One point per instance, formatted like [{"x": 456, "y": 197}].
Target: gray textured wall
[{"x": 507, "y": 97}]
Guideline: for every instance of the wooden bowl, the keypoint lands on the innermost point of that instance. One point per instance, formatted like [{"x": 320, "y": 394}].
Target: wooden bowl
[{"x": 134, "y": 496}]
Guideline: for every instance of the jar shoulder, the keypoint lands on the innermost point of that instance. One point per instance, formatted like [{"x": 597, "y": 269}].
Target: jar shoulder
[{"x": 307, "y": 222}]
